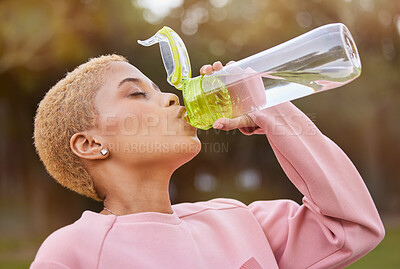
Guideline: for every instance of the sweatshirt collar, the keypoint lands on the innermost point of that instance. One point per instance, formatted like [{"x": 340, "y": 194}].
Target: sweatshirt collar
[{"x": 137, "y": 217}]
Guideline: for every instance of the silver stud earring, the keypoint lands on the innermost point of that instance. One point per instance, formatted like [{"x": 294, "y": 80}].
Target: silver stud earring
[{"x": 104, "y": 152}]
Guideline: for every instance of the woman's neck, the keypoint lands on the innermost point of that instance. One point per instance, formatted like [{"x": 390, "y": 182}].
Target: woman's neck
[{"x": 138, "y": 191}]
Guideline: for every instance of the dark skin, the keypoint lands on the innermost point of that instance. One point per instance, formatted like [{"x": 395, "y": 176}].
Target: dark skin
[{"x": 146, "y": 137}]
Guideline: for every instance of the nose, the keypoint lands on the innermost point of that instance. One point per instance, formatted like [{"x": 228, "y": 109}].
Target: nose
[{"x": 171, "y": 99}]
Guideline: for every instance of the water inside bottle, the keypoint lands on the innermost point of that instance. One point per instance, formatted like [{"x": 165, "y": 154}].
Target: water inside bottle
[
  {"x": 204, "y": 107},
  {"x": 208, "y": 98}
]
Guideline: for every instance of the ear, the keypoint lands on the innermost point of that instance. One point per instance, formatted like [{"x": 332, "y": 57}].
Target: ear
[{"x": 86, "y": 147}]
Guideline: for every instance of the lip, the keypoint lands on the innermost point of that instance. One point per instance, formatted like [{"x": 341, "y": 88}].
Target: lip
[
  {"x": 181, "y": 112},
  {"x": 189, "y": 125},
  {"x": 182, "y": 115}
]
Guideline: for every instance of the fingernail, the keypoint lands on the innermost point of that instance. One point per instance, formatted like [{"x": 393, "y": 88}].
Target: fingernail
[{"x": 218, "y": 125}]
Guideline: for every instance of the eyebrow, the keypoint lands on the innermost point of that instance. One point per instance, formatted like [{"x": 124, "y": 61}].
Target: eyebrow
[{"x": 138, "y": 80}]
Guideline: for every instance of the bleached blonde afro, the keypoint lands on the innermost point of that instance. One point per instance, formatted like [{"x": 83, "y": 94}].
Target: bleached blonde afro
[{"x": 68, "y": 108}]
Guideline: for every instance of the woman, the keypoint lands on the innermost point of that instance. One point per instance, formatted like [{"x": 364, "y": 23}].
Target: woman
[{"x": 106, "y": 131}]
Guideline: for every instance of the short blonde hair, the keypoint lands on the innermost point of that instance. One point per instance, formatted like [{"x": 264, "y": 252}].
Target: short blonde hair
[{"x": 68, "y": 108}]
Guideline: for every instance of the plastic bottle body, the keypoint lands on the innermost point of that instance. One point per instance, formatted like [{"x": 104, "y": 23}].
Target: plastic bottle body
[{"x": 322, "y": 59}]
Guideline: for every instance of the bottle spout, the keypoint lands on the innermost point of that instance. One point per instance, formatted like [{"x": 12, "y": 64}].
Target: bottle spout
[
  {"x": 150, "y": 41},
  {"x": 174, "y": 55}
]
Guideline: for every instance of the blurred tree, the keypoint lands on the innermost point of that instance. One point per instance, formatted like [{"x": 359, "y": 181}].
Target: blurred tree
[{"x": 42, "y": 40}]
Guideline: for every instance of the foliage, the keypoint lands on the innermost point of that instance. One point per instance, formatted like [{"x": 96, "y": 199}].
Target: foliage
[{"x": 41, "y": 40}]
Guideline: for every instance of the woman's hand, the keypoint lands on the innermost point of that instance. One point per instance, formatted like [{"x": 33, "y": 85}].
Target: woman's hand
[{"x": 223, "y": 123}]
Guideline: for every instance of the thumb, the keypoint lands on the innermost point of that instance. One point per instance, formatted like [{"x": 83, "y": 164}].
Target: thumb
[{"x": 230, "y": 124}]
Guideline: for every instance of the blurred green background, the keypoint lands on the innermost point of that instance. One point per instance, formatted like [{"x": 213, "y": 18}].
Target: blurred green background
[{"x": 42, "y": 40}]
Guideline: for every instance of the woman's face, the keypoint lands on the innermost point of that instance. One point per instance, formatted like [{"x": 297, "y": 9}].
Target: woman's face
[{"x": 140, "y": 124}]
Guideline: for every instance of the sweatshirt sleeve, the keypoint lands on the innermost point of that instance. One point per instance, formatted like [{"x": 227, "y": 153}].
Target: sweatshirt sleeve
[{"x": 337, "y": 222}]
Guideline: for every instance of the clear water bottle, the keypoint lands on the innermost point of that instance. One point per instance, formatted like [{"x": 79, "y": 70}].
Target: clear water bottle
[{"x": 319, "y": 60}]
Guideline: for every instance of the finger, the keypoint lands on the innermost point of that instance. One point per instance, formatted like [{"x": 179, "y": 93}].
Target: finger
[
  {"x": 202, "y": 70},
  {"x": 206, "y": 69},
  {"x": 217, "y": 66},
  {"x": 230, "y": 124},
  {"x": 230, "y": 62}
]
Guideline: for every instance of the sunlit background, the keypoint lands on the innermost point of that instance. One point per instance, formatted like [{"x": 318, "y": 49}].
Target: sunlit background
[{"x": 42, "y": 40}]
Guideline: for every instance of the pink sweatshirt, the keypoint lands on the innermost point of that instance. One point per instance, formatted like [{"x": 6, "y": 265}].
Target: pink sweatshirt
[{"x": 336, "y": 224}]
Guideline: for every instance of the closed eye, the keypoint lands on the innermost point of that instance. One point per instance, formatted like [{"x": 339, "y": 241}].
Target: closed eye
[{"x": 138, "y": 93}]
